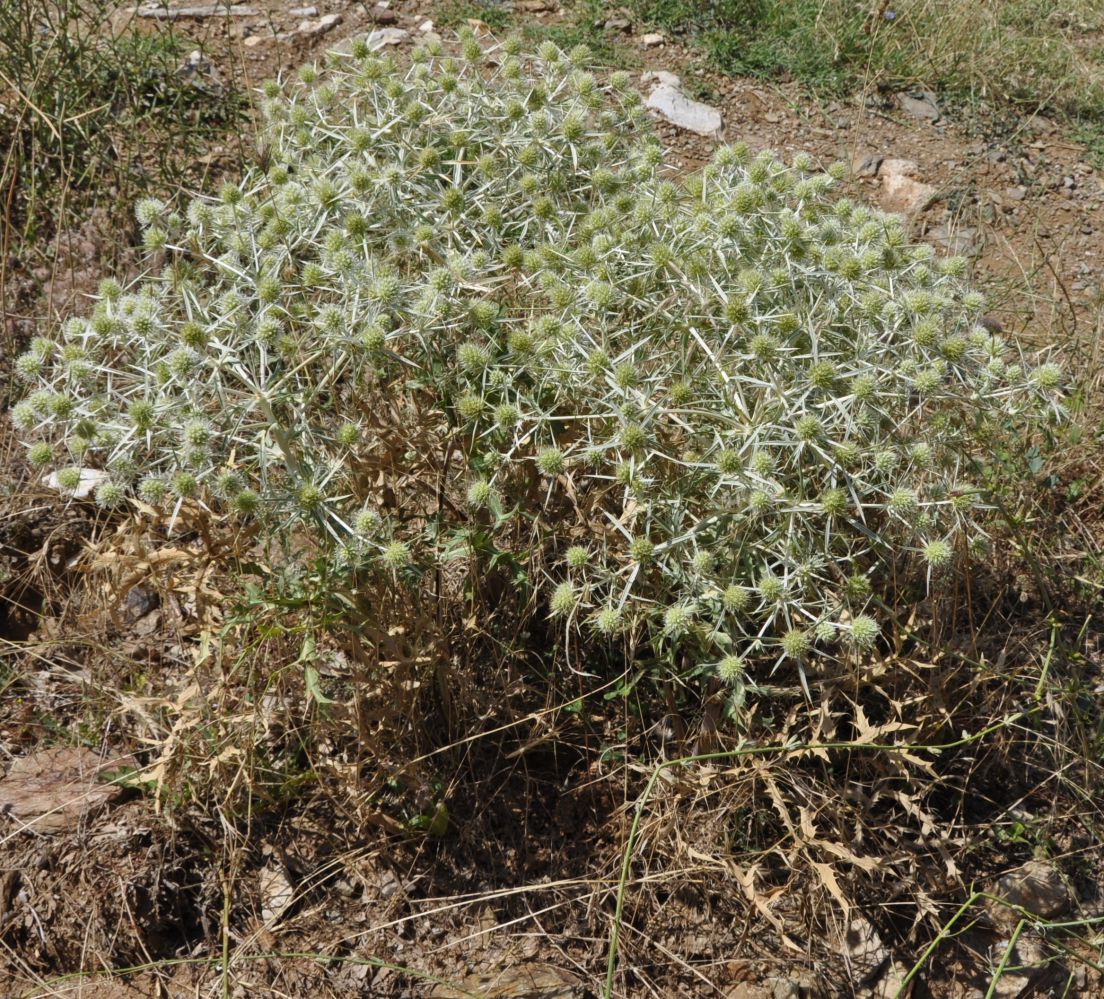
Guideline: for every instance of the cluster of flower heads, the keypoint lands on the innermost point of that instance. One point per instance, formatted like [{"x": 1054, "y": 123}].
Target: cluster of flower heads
[{"x": 753, "y": 403}]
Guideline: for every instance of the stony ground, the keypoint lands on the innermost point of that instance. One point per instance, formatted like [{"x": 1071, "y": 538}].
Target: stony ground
[{"x": 517, "y": 904}]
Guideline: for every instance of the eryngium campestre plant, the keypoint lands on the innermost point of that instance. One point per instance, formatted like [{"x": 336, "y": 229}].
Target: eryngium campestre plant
[{"x": 718, "y": 412}]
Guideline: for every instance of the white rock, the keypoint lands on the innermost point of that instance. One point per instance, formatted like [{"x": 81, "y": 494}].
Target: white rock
[
  {"x": 650, "y": 41},
  {"x": 667, "y": 99},
  {"x": 327, "y": 22},
  {"x": 204, "y": 10},
  {"x": 425, "y": 27},
  {"x": 382, "y": 37},
  {"x": 903, "y": 192},
  {"x": 863, "y": 950},
  {"x": 90, "y": 479},
  {"x": 277, "y": 894},
  {"x": 303, "y": 12},
  {"x": 253, "y": 41}
]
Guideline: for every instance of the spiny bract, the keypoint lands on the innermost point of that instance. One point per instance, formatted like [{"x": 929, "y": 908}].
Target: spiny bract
[{"x": 760, "y": 399}]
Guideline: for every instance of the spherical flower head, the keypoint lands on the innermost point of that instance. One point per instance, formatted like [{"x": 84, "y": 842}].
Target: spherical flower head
[
  {"x": 626, "y": 375},
  {"x": 823, "y": 375},
  {"x": 607, "y": 621},
  {"x": 731, "y": 670},
  {"x": 735, "y": 599},
  {"x": 938, "y": 553},
  {"x": 796, "y": 643},
  {"x": 29, "y": 366},
  {"x": 184, "y": 485},
  {"x": 808, "y": 428},
  {"x": 681, "y": 393},
  {"x": 633, "y": 437},
  {"x": 182, "y": 362},
  {"x": 954, "y": 348},
  {"x": 926, "y": 332},
  {"x": 40, "y": 454},
  {"x": 228, "y": 483},
  {"x": 395, "y": 556},
  {"x": 109, "y": 289},
  {"x": 230, "y": 193},
  {"x": 834, "y": 502},
  {"x": 153, "y": 490},
  {"x": 309, "y": 497},
  {"x": 763, "y": 347},
  {"x": 758, "y": 502},
  {"x": 921, "y": 455},
  {"x": 677, "y": 619},
  {"x": 148, "y": 210},
  {"x": 1048, "y": 377},
  {"x": 61, "y": 406},
  {"x": 856, "y": 588},
  {"x": 246, "y": 502},
  {"x": 472, "y": 357},
  {"x": 480, "y": 493},
  {"x": 863, "y": 633},
  {"x": 864, "y": 387},
  {"x": 600, "y": 294},
  {"x": 196, "y": 434},
  {"x": 507, "y": 415},
  {"x": 348, "y": 434},
  {"x": 964, "y": 498},
  {"x": 885, "y": 461},
  {"x": 825, "y": 631},
  {"x": 771, "y": 588},
  {"x": 641, "y": 550},
  {"x": 564, "y": 600},
  {"x": 573, "y": 126},
  {"x": 373, "y": 338},
  {"x": 576, "y": 557},
  {"x": 69, "y": 479},
  {"x": 903, "y": 502},
  {"x": 109, "y": 494},
  {"x": 470, "y": 406},
  {"x": 551, "y": 461},
  {"x": 702, "y": 562},
  {"x": 24, "y": 415},
  {"x": 728, "y": 461}
]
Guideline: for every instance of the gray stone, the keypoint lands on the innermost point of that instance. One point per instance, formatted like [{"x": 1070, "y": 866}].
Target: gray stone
[
  {"x": 652, "y": 39},
  {"x": 667, "y": 99},
  {"x": 325, "y": 23},
  {"x": 866, "y": 166},
  {"x": 924, "y": 107},
  {"x": 958, "y": 241},
  {"x": 783, "y": 988},
  {"x": 1037, "y": 887}
]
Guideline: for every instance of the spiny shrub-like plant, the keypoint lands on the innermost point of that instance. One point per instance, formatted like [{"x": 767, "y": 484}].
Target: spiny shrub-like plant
[{"x": 724, "y": 415}]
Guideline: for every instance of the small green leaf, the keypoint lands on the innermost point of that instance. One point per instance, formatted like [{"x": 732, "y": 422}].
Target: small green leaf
[{"x": 314, "y": 688}]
